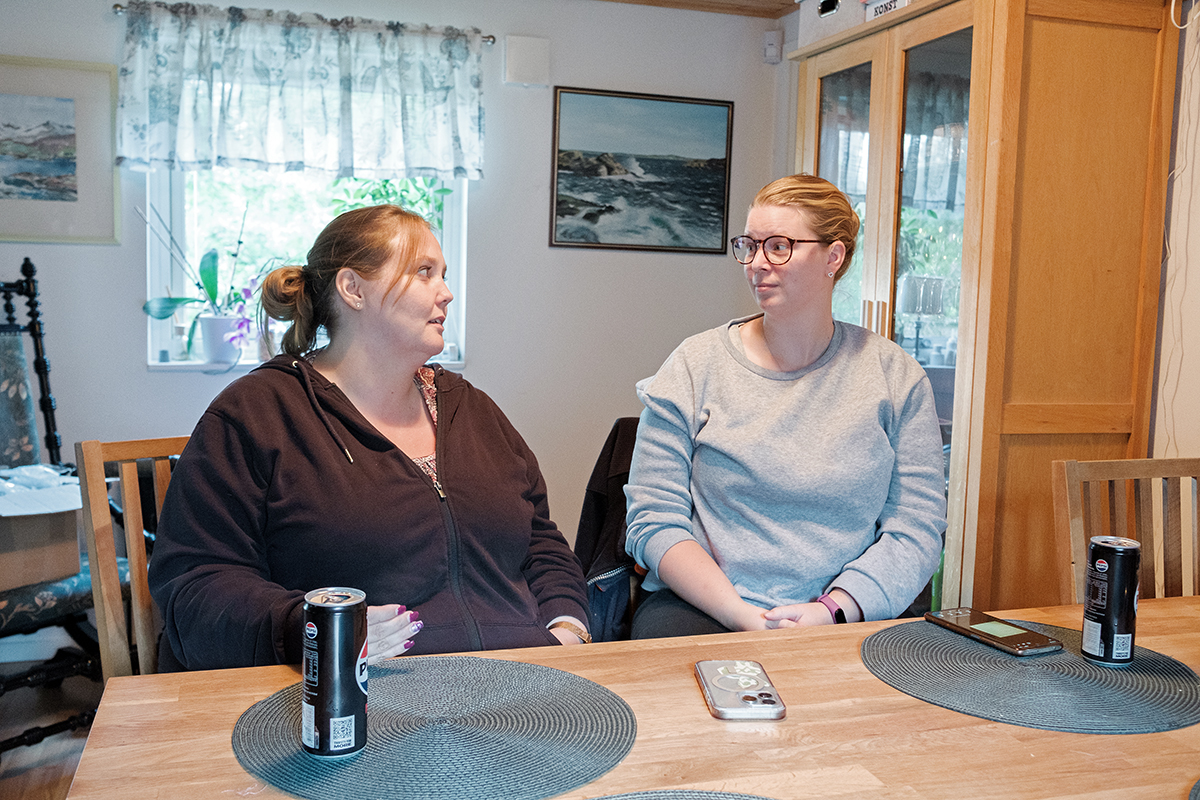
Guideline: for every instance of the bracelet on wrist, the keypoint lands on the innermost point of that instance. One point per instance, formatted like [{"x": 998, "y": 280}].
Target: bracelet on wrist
[{"x": 839, "y": 616}]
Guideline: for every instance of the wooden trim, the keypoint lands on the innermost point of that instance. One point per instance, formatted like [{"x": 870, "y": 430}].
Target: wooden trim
[
  {"x": 1154, "y": 210},
  {"x": 1066, "y": 418},
  {"x": 962, "y": 516},
  {"x": 1101, "y": 12},
  {"x": 890, "y": 20},
  {"x": 996, "y": 246}
]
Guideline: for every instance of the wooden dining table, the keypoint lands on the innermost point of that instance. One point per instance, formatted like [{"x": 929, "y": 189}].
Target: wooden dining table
[{"x": 846, "y": 733}]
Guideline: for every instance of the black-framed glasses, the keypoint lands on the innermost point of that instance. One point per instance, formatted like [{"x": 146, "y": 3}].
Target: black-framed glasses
[{"x": 776, "y": 249}]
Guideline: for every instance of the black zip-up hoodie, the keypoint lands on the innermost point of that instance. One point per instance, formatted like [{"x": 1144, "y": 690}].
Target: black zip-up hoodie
[{"x": 284, "y": 487}]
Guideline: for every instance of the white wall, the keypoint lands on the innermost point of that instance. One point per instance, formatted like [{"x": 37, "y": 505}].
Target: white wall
[
  {"x": 557, "y": 336},
  {"x": 1176, "y": 428}
]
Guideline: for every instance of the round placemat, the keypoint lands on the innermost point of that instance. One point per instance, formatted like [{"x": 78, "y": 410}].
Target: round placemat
[
  {"x": 1061, "y": 691},
  {"x": 449, "y": 727},
  {"x": 681, "y": 794},
  {"x": 1195, "y": 793}
]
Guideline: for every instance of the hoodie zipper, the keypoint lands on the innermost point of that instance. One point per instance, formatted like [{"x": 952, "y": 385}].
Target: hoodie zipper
[{"x": 453, "y": 545}]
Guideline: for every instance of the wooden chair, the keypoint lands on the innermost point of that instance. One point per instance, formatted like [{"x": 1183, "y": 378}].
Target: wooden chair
[
  {"x": 1093, "y": 498},
  {"x": 111, "y": 626}
]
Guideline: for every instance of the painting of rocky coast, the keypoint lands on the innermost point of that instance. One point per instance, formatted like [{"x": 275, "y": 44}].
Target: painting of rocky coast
[
  {"x": 37, "y": 148},
  {"x": 641, "y": 172}
]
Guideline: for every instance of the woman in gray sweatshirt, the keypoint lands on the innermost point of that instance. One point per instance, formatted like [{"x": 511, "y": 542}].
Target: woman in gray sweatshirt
[{"x": 788, "y": 468}]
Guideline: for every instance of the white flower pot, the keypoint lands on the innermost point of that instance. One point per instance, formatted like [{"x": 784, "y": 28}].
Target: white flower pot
[{"x": 217, "y": 348}]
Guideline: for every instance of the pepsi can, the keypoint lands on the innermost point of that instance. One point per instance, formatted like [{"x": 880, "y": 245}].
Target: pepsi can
[
  {"x": 1110, "y": 602},
  {"x": 333, "y": 711}
]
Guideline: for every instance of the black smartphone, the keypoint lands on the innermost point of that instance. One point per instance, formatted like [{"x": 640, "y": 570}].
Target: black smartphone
[{"x": 995, "y": 632}]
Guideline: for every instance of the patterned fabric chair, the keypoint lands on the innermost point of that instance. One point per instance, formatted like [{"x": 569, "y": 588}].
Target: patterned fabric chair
[{"x": 61, "y": 602}]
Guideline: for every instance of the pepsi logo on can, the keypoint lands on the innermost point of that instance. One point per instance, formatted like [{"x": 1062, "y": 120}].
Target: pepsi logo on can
[{"x": 333, "y": 710}]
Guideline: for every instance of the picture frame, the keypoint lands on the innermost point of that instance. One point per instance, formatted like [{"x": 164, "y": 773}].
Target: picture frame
[
  {"x": 58, "y": 174},
  {"x": 638, "y": 171}
]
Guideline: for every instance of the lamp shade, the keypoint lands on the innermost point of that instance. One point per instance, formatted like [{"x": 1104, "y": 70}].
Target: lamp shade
[{"x": 920, "y": 294}]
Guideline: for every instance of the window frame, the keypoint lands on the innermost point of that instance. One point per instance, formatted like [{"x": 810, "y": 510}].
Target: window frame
[{"x": 165, "y": 192}]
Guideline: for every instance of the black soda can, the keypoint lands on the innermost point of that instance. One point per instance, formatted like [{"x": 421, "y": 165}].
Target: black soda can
[
  {"x": 1110, "y": 605},
  {"x": 333, "y": 711}
]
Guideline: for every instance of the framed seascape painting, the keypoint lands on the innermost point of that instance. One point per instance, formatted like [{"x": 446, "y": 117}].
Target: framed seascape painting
[
  {"x": 640, "y": 171},
  {"x": 58, "y": 182}
]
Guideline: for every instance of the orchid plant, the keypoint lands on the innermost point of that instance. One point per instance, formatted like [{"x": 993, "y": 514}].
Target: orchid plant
[{"x": 218, "y": 298}]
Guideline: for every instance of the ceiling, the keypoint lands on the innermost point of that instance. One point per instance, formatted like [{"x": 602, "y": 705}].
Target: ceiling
[{"x": 770, "y": 9}]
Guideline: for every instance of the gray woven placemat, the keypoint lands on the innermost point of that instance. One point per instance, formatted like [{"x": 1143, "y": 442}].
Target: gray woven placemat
[
  {"x": 1195, "y": 793},
  {"x": 452, "y": 727},
  {"x": 1062, "y": 691},
  {"x": 681, "y": 794}
]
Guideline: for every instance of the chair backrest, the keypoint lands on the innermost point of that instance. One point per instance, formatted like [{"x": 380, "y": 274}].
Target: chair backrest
[
  {"x": 111, "y": 627},
  {"x": 1094, "y": 498},
  {"x": 13, "y": 366}
]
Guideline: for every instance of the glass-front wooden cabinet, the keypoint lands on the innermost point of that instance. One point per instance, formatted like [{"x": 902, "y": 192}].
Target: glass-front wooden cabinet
[{"x": 987, "y": 146}]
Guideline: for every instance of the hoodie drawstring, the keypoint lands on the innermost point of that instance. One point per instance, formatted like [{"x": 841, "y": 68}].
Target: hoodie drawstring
[{"x": 312, "y": 398}]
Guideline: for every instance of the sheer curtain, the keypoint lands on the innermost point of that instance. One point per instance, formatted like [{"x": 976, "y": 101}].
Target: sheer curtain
[
  {"x": 201, "y": 86},
  {"x": 935, "y": 128}
]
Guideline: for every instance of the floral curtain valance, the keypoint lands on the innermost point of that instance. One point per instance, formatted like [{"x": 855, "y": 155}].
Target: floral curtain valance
[{"x": 202, "y": 86}]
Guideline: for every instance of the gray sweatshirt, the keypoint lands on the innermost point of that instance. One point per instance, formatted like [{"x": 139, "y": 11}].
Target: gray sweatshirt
[{"x": 794, "y": 482}]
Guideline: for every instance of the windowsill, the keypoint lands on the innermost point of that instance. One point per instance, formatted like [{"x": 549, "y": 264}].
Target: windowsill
[{"x": 242, "y": 367}]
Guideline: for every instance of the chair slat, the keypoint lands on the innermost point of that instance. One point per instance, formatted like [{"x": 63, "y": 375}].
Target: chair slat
[
  {"x": 1145, "y": 492},
  {"x": 139, "y": 584},
  {"x": 1172, "y": 539}
]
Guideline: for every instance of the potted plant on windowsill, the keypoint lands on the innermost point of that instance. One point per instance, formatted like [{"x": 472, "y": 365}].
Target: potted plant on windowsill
[{"x": 225, "y": 319}]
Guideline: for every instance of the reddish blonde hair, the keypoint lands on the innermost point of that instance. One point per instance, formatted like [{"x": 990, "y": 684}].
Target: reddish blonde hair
[{"x": 363, "y": 240}]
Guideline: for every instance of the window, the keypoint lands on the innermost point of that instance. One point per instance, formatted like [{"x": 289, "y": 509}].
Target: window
[{"x": 270, "y": 219}]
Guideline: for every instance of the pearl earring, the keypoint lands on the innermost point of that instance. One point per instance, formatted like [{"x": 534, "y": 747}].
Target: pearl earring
[{"x": 358, "y": 305}]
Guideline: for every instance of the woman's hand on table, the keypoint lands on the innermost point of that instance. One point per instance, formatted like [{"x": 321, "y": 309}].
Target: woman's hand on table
[
  {"x": 800, "y": 615},
  {"x": 390, "y": 631},
  {"x": 804, "y": 615}
]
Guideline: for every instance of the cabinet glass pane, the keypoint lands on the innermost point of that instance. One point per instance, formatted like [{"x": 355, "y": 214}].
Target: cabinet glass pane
[
  {"x": 932, "y": 198},
  {"x": 842, "y": 160}
]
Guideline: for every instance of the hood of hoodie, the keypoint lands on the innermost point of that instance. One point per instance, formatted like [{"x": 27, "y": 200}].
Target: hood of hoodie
[{"x": 329, "y": 402}]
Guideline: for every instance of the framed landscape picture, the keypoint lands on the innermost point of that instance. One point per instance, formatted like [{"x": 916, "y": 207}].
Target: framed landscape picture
[
  {"x": 58, "y": 182},
  {"x": 640, "y": 171}
]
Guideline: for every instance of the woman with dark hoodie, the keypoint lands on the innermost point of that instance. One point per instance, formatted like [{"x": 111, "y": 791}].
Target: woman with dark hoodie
[{"x": 356, "y": 464}]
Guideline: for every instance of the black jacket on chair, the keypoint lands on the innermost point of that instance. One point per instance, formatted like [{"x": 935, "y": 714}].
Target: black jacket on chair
[{"x": 600, "y": 543}]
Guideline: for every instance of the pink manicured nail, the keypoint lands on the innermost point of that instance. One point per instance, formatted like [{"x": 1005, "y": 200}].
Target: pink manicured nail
[
  {"x": 408, "y": 645},
  {"x": 400, "y": 610},
  {"x": 416, "y": 626},
  {"x": 416, "y": 615}
]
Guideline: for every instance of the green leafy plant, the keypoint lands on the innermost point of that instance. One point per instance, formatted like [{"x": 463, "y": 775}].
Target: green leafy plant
[{"x": 422, "y": 196}]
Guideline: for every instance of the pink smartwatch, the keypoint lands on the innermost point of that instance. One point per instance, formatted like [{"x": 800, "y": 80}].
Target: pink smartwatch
[{"x": 839, "y": 616}]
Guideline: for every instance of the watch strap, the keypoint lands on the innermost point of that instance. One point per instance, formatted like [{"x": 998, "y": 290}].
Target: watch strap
[
  {"x": 839, "y": 616},
  {"x": 573, "y": 628}
]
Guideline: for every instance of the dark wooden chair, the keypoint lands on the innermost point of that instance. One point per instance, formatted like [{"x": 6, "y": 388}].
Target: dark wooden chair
[{"x": 61, "y": 602}]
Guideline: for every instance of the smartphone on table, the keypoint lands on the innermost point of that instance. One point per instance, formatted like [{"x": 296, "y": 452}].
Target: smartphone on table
[
  {"x": 998, "y": 633},
  {"x": 738, "y": 690}
]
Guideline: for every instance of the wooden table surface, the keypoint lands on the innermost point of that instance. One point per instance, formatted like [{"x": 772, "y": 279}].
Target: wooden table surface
[{"x": 846, "y": 734}]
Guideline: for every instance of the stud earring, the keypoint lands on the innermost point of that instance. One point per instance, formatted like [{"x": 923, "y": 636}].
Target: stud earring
[
  {"x": 830, "y": 274},
  {"x": 358, "y": 305}
]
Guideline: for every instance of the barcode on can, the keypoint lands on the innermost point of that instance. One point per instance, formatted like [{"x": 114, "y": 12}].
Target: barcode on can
[
  {"x": 1122, "y": 646},
  {"x": 341, "y": 732},
  {"x": 1091, "y": 638},
  {"x": 308, "y": 727}
]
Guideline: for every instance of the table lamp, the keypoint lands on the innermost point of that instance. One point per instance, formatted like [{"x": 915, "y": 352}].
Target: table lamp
[{"x": 920, "y": 295}]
